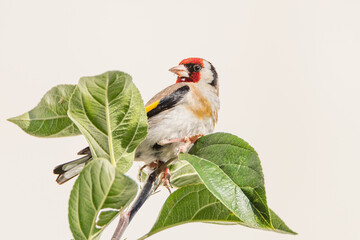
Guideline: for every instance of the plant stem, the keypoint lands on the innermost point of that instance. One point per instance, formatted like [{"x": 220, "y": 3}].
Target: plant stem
[
  {"x": 149, "y": 187},
  {"x": 123, "y": 223}
]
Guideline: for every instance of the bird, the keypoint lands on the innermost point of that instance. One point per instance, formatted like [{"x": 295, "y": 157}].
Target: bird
[{"x": 177, "y": 117}]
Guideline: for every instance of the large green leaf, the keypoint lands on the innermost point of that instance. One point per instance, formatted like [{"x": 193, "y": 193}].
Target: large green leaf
[
  {"x": 99, "y": 194},
  {"x": 230, "y": 168},
  {"x": 49, "y": 118},
  {"x": 110, "y": 113},
  {"x": 195, "y": 203}
]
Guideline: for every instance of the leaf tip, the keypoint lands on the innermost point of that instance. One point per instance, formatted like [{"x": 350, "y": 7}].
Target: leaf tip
[
  {"x": 290, "y": 231},
  {"x": 16, "y": 120},
  {"x": 12, "y": 119}
]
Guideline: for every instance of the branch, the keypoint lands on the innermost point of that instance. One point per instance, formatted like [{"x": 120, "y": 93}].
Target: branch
[{"x": 147, "y": 190}]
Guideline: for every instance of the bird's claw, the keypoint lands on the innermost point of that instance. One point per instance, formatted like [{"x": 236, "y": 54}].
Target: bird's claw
[{"x": 165, "y": 180}]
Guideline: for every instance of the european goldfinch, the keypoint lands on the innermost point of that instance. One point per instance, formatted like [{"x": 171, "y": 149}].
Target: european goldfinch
[{"x": 177, "y": 117}]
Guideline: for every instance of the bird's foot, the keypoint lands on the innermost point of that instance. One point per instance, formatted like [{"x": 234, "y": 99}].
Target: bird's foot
[
  {"x": 164, "y": 177},
  {"x": 165, "y": 180}
]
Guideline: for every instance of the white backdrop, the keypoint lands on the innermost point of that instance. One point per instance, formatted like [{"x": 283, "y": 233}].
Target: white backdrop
[{"x": 289, "y": 75}]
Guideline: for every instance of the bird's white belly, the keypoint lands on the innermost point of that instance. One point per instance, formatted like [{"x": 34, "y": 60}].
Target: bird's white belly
[{"x": 168, "y": 125}]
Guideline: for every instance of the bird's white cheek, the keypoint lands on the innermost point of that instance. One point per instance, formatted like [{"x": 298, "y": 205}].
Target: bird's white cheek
[{"x": 207, "y": 76}]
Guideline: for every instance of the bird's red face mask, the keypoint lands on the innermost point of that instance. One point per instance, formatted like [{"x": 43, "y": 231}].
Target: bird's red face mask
[{"x": 189, "y": 70}]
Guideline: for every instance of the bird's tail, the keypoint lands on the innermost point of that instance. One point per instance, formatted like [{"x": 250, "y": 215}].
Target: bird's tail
[{"x": 71, "y": 169}]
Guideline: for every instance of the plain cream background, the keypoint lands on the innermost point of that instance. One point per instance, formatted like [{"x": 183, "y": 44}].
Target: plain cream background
[{"x": 289, "y": 75}]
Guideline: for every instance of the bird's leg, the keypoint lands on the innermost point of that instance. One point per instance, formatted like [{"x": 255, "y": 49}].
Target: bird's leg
[
  {"x": 168, "y": 141},
  {"x": 183, "y": 148},
  {"x": 186, "y": 140}
]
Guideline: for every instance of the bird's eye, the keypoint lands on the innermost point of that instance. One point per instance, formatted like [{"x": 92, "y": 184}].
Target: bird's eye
[{"x": 197, "y": 68}]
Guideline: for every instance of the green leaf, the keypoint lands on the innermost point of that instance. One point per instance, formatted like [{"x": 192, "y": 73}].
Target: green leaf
[
  {"x": 110, "y": 113},
  {"x": 49, "y": 118},
  {"x": 98, "y": 195},
  {"x": 230, "y": 168},
  {"x": 195, "y": 203},
  {"x": 183, "y": 174}
]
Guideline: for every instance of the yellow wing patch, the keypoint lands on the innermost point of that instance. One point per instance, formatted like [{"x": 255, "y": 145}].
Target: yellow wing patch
[{"x": 152, "y": 106}]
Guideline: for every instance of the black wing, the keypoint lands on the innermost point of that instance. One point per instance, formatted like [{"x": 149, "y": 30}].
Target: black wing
[{"x": 167, "y": 102}]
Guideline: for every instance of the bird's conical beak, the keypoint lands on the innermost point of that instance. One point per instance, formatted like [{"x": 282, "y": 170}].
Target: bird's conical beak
[{"x": 180, "y": 70}]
